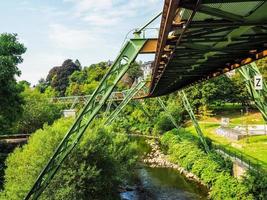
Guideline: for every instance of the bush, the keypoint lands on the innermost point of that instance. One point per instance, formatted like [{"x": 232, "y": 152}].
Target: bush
[
  {"x": 92, "y": 171},
  {"x": 37, "y": 111},
  {"x": 227, "y": 187},
  {"x": 211, "y": 169},
  {"x": 164, "y": 123},
  {"x": 257, "y": 184}
]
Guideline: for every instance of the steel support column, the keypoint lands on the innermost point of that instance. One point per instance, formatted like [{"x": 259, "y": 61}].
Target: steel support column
[
  {"x": 90, "y": 110},
  {"x": 258, "y": 96},
  {"x": 125, "y": 101},
  {"x": 161, "y": 103},
  {"x": 194, "y": 120}
]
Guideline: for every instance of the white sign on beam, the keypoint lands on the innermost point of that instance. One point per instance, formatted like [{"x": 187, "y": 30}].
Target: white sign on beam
[{"x": 258, "y": 82}]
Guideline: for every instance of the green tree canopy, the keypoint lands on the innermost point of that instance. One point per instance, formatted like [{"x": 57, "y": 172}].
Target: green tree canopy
[
  {"x": 58, "y": 77},
  {"x": 10, "y": 99}
]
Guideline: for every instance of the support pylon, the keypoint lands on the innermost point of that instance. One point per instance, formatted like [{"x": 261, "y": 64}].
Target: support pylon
[
  {"x": 125, "y": 101},
  {"x": 258, "y": 96},
  {"x": 194, "y": 120},
  {"x": 127, "y": 55}
]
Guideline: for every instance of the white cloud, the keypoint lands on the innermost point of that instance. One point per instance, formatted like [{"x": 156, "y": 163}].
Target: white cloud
[
  {"x": 109, "y": 12},
  {"x": 37, "y": 65},
  {"x": 82, "y": 6},
  {"x": 70, "y": 38}
]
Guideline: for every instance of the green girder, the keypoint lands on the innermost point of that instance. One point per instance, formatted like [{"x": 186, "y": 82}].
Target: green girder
[
  {"x": 167, "y": 112},
  {"x": 259, "y": 96},
  {"x": 122, "y": 63},
  {"x": 125, "y": 101},
  {"x": 194, "y": 120}
]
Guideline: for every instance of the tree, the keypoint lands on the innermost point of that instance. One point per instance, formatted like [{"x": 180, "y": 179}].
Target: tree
[
  {"x": 42, "y": 85},
  {"x": 10, "y": 98},
  {"x": 77, "y": 63},
  {"x": 85, "y": 81},
  {"x": 37, "y": 111},
  {"x": 58, "y": 77},
  {"x": 90, "y": 172},
  {"x": 135, "y": 71}
]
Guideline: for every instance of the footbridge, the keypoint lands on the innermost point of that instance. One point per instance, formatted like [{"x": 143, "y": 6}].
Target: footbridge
[{"x": 197, "y": 40}]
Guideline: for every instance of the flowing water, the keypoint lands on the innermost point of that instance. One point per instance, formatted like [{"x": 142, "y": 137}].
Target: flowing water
[{"x": 163, "y": 184}]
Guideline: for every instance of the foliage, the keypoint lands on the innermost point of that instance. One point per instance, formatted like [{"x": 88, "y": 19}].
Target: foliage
[
  {"x": 89, "y": 172},
  {"x": 218, "y": 91},
  {"x": 37, "y": 110},
  {"x": 85, "y": 81},
  {"x": 163, "y": 121},
  {"x": 185, "y": 152},
  {"x": 58, "y": 77},
  {"x": 42, "y": 85},
  {"x": 135, "y": 71},
  {"x": 257, "y": 184},
  {"x": 10, "y": 98}
]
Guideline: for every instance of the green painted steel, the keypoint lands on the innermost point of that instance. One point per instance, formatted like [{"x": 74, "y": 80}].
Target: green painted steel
[
  {"x": 90, "y": 110},
  {"x": 125, "y": 101},
  {"x": 194, "y": 120},
  {"x": 138, "y": 104},
  {"x": 259, "y": 96},
  {"x": 161, "y": 103}
]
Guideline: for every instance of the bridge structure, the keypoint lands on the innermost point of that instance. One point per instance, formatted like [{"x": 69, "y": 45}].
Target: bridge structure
[{"x": 198, "y": 40}]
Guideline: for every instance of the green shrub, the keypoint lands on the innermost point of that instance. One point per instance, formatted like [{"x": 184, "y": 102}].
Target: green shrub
[
  {"x": 92, "y": 171},
  {"x": 257, "y": 184},
  {"x": 37, "y": 111},
  {"x": 212, "y": 169},
  {"x": 227, "y": 187}
]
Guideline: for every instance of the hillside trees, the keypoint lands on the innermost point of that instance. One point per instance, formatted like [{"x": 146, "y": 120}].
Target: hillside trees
[
  {"x": 218, "y": 91},
  {"x": 10, "y": 99},
  {"x": 85, "y": 81},
  {"x": 58, "y": 77}
]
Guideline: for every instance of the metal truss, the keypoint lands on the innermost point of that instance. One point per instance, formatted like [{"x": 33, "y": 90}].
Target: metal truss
[
  {"x": 132, "y": 92},
  {"x": 90, "y": 110},
  {"x": 259, "y": 96},
  {"x": 161, "y": 103},
  {"x": 194, "y": 120}
]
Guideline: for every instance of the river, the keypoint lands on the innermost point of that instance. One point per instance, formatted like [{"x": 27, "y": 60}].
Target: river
[{"x": 163, "y": 184}]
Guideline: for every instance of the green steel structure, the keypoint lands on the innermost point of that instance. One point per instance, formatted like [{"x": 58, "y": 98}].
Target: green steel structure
[
  {"x": 108, "y": 83},
  {"x": 97, "y": 100},
  {"x": 161, "y": 103},
  {"x": 125, "y": 101},
  {"x": 201, "y": 39},
  {"x": 259, "y": 96},
  {"x": 129, "y": 97},
  {"x": 194, "y": 120},
  {"x": 198, "y": 40}
]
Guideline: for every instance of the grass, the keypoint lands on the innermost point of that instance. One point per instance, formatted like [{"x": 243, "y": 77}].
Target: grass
[{"x": 253, "y": 148}]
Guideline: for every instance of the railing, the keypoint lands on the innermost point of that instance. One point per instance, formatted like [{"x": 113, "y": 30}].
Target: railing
[{"x": 249, "y": 161}]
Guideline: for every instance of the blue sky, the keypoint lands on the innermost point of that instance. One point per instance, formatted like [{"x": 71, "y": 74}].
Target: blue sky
[{"x": 89, "y": 30}]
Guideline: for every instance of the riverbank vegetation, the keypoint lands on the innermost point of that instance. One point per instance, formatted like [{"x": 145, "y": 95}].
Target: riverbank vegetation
[
  {"x": 90, "y": 171},
  {"x": 212, "y": 169},
  {"x": 105, "y": 156}
]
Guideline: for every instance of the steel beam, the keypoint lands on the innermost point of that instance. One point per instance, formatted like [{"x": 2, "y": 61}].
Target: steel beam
[
  {"x": 259, "y": 96},
  {"x": 125, "y": 101},
  {"x": 86, "y": 116},
  {"x": 194, "y": 121},
  {"x": 161, "y": 103}
]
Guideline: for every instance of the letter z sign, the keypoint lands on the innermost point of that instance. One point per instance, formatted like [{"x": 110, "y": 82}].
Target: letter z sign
[{"x": 258, "y": 82}]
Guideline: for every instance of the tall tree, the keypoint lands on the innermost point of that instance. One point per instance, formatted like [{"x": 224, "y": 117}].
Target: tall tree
[
  {"x": 58, "y": 77},
  {"x": 10, "y": 98}
]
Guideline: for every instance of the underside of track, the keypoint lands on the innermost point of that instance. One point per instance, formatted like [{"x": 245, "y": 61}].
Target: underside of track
[{"x": 199, "y": 40}]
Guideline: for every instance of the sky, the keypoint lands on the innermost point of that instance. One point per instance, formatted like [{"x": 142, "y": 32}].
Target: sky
[{"x": 89, "y": 30}]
